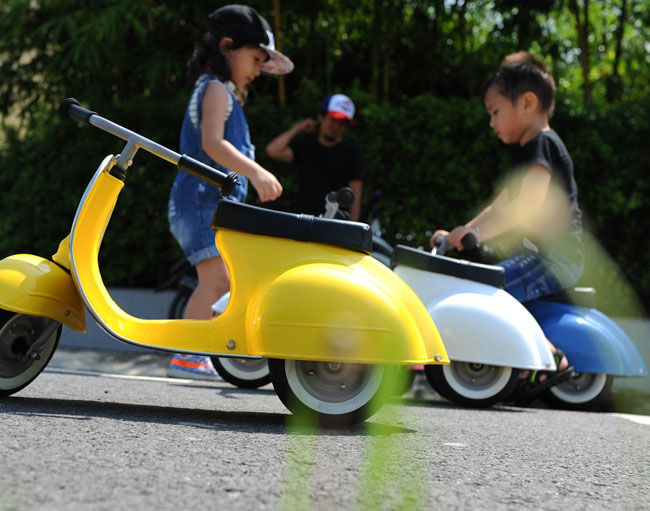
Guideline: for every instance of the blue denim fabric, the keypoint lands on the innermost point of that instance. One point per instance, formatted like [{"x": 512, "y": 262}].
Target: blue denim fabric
[
  {"x": 192, "y": 201},
  {"x": 529, "y": 276}
]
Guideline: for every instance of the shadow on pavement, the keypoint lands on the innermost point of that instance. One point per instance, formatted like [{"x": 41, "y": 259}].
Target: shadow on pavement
[{"x": 258, "y": 422}]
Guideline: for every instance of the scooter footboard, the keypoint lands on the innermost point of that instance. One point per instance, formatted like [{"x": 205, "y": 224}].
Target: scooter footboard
[
  {"x": 358, "y": 314},
  {"x": 35, "y": 286},
  {"x": 592, "y": 342}
]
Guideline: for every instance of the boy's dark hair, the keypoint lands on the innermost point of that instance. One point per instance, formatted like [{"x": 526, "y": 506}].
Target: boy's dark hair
[
  {"x": 242, "y": 24},
  {"x": 521, "y": 72}
]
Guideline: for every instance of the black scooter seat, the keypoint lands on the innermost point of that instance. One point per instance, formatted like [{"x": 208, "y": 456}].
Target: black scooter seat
[
  {"x": 483, "y": 273},
  {"x": 279, "y": 224}
]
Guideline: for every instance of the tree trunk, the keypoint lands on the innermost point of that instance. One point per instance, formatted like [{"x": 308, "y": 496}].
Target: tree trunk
[
  {"x": 523, "y": 26},
  {"x": 376, "y": 47},
  {"x": 582, "y": 26},
  {"x": 282, "y": 93},
  {"x": 614, "y": 81}
]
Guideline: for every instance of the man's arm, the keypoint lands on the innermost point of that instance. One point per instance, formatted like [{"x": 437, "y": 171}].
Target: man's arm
[
  {"x": 355, "y": 208},
  {"x": 279, "y": 148}
]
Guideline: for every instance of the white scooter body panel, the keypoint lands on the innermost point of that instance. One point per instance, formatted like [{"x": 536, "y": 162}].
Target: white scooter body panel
[
  {"x": 220, "y": 305},
  {"x": 480, "y": 323}
]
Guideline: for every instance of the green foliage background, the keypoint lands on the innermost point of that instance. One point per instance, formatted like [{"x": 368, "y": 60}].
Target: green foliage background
[{"x": 414, "y": 70}]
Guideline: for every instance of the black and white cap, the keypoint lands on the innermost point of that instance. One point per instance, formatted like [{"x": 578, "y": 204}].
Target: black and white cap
[{"x": 244, "y": 24}]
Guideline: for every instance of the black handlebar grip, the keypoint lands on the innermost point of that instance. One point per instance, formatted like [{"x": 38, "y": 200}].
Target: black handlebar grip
[
  {"x": 71, "y": 110},
  {"x": 345, "y": 197},
  {"x": 229, "y": 184},
  {"x": 226, "y": 183},
  {"x": 469, "y": 241}
]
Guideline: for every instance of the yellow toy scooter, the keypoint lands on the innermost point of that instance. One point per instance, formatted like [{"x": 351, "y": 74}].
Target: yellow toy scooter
[{"x": 334, "y": 323}]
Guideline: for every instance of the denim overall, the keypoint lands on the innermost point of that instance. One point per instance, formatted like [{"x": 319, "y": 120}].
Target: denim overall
[{"x": 192, "y": 201}]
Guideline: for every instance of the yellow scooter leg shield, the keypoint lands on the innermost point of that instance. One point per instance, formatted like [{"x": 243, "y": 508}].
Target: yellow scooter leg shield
[
  {"x": 32, "y": 285},
  {"x": 325, "y": 303}
]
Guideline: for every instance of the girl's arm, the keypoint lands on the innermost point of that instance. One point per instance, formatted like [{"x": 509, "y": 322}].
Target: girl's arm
[
  {"x": 502, "y": 215},
  {"x": 215, "y": 103}
]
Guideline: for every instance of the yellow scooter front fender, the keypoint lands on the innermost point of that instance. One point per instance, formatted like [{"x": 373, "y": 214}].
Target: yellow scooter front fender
[
  {"x": 360, "y": 313},
  {"x": 33, "y": 285}
]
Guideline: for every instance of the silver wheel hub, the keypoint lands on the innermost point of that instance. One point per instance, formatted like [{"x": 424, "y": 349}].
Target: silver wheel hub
[
  {"x": 21, "y": 341},
  {"x": 476, "y": 381},
  {"x": 333, "y": 387},
  {"x": 582, "y": 387},
  {"x": 245, "y": 368}
]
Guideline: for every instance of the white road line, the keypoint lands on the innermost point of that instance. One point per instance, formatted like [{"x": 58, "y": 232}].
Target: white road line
[
  {"x": 120, "y": 376},
  {"x": 641, "y": 419}
]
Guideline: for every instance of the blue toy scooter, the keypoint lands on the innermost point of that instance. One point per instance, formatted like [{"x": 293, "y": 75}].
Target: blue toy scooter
[{"x": 597, "y": 348}]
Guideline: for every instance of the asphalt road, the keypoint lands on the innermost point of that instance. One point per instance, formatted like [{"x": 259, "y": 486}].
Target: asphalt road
[{"x": 81, "y": 442}]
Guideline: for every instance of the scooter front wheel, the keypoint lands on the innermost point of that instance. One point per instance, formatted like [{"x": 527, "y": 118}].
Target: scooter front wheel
[
  {"x": 472, "y": 384},
  {"x": 330, "y": 394},
  {"x": 246, "y": 373},
  {"x": 583, "y": 391},
  {"x": 27, "y": 344}
]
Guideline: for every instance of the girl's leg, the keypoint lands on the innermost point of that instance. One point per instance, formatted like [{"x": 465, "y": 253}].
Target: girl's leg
[{"x": 214, "y": 282}]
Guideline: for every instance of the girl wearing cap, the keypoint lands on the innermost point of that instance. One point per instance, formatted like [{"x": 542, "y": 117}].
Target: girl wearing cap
[{"x": 238, "y": 46}]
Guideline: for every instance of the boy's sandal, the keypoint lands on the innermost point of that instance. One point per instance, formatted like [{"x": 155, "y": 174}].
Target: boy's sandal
[{"x": 528, "y": 389}]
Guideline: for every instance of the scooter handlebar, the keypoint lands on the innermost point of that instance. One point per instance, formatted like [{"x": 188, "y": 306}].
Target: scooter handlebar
[
  {"x": 71, "y": 110},
  {"x": 225, "y": 182},
  {"x": 345, "y": 197},
  {"x": 469, "y": 242}
]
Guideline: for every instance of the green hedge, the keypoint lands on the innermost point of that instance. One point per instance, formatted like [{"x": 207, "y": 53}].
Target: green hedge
[{"x": 435, "y": 160}]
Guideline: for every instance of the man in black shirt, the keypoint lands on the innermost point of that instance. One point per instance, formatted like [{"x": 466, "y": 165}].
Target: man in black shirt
[{"x": 325, "y": 161}]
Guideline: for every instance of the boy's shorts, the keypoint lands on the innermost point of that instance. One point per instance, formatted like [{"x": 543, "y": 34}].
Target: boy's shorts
[
  {"x": 191, "y": 208},
  {"x": 530, "y": 276}
]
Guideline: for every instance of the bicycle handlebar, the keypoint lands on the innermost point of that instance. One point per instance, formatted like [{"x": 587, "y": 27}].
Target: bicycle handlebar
[{"x": 72, "y": 110}]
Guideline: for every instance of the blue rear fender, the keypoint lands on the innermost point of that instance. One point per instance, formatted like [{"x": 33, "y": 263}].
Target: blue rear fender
[{"x": 592, "y": 342}]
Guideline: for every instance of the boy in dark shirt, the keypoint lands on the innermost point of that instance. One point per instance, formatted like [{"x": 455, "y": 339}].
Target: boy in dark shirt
[
  {"x": 538, "y": 206},
  {"x": 325, "y": 161}
]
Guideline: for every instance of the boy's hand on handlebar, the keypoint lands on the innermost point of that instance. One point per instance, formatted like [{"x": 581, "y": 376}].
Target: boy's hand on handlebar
[
  {"x": 440, "y": 232},
  {"x": 267, "y": 186},
  {"x": 456, "y": 236}
]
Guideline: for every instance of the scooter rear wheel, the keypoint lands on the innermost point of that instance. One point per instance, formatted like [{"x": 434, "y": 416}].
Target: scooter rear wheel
[
  {"x": 19, "y": 364},
  {"x": 331, "y": 394},
  {"x": 246, "y": 373},
  {"x": 472, "y": 384},
  {"x": 584, "y": 391}
]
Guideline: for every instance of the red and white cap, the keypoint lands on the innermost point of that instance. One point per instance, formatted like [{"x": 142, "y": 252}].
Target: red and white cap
[{"x": 339, "y": 106}]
